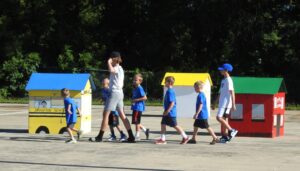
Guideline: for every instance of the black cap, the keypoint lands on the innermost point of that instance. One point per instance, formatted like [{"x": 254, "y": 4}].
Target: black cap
[{"x": 115, "y": 54}]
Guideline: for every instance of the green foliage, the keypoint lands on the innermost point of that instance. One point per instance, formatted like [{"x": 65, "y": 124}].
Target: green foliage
[{"x": 16, "y": 71}]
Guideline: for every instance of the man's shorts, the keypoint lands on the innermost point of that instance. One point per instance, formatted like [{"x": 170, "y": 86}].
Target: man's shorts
[
  {"x": 114, "y": 102},
  {"x": 201, "y": 123},
  {"x": 113, "y": 120},
  {"x": 71, "y": 125},
  {"x": 136, "y": 117},
  {"x": 170, "y": 121},
  {"x": 223, "y": 112}
]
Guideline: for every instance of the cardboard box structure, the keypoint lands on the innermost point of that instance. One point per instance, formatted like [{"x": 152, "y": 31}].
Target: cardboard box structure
[
  {"x": 260, "y": 106},
  {"x": 185, "y": 93},
  {"x": 46, "y": 106}
]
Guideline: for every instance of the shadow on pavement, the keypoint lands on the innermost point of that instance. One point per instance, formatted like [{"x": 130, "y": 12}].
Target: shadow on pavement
[{"x": 80, "y": 166}]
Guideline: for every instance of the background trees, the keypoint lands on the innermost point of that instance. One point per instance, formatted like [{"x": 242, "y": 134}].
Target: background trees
[{"x": 260, "y": 38}]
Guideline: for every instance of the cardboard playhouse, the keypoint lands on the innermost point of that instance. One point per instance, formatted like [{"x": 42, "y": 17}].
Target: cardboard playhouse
[
  {"x": 46, "y": 106},
  {"x": 260, "y": 104},
  {"x": 185, "y": 93}
]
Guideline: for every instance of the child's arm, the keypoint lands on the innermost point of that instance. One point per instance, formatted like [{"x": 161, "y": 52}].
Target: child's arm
[
  {"x": 198, "y": 111},
  {"x": 144, "y": 98},
  {"x": 233, "y": 99},
  {"x": 169, "y": 108},
  {"x": 69, "y": 109},
  {"x": 110, "y": 67}
]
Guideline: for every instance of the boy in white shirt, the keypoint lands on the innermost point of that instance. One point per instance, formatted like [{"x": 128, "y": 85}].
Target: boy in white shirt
[{"x": 226, "y": 103}]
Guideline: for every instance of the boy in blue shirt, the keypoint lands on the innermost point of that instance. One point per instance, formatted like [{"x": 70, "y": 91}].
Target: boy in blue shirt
[
  {"x": 71, "y": 115},
  {"x": 169, "y": 115},
  {"x": 201, "y": 115},
  {"x": 113, "y": 120},
  {"x": 138, "y": 106}
]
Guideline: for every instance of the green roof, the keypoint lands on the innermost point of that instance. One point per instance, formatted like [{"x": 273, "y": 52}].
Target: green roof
[{"x": 258, "y": 85}]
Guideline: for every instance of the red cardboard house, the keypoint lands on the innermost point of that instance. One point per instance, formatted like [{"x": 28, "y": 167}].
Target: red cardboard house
[{"x": 260, "y": 104}]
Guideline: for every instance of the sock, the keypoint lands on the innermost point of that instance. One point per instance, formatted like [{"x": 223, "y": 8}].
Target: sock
[
  {"x": 137, "y": 134},
  {"x": 100, "y": 135},
  {"x": 122, "y": 133},
  {"x": 163, "y": 137},
  {"x": 183, "y": 135},
  {"x": 130, "y": 134},
  {"x": 112, "y": 131},
  {"x": 143, "y": 128}
]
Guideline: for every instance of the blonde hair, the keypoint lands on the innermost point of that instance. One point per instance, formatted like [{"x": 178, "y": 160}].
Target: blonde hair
[
  {"x": 170, "y": 79},
  {"x": 65, "y": 92},
  {"x": 199, "y": 84},
  {"x": 139, "y": 76}
]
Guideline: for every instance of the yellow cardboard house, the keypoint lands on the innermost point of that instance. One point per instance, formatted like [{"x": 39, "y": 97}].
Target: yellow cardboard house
[
  {"x": 185, "y": 93},
  {"x": 46, "y": 106}
]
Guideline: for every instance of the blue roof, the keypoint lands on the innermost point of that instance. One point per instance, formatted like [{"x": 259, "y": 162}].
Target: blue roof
[{"x": 58, "y": 81}]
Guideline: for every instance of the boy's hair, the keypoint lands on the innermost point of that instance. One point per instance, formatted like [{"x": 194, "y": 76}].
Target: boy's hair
[
  {"x": 139, "y": 76},
  {"x": 116, "y": 56},
  {"x": 65, "y": 92},
  {"x": 170, "y": 79},
  {"x": 199, "y": 84}
]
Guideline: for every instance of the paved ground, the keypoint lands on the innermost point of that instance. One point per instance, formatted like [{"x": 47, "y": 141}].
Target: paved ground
[{"x": 21, "y": 151}]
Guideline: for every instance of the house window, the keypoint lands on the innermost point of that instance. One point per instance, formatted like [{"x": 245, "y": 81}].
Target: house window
[
  {"x": 238, "y": 113},
  {"x": 258, "y": 112}
]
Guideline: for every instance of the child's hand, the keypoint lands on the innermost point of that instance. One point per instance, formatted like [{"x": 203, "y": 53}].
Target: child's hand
[
  {"x": 165, "y": 113},
  {"x": 109, "y": 61},
  {"x": 69, "y": 112},
  {"x": 233, "y": 108},
  {"x": 195, "y": 116}
]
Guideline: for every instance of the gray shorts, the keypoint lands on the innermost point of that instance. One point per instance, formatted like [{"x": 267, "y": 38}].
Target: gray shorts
[{"x": 115, "y": 101}]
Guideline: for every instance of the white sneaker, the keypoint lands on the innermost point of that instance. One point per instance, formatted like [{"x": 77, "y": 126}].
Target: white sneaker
[
  {"x": 137, "y": 139},
  {"x": 233, "y": 133},
  {"x": 71, "y": 141}
]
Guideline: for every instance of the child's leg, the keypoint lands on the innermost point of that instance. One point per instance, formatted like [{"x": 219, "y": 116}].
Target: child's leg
[
  {"x": 120, "y": 130},
  {"x": 126, "y": 123},
  {"x": 70, "y": 133},
  {"x": 224, "y": 124},
  {"x": 195, "y": 133},
  {"x": 180, "y": 131},
  {"x": 212, "y": 133},
  {"x": 104, "y": 124},
  {"x": 163, "y": 132},
  {"x": 137, "y": 129},
  {"x": 112, "y": 131}
]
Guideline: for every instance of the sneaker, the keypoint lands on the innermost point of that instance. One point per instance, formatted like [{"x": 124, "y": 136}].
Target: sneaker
[
  {"x": 232, "y": 133},
  {"x": 214, "y": 141},
  {"x": 79, "y": 133},
  {"x": 224, "y": 139},
  {"x": 96, "y": 139},
  {"x": 112, "y": 138},
  {"x": 123, "y": 138},
  {"x": 192, "y": 141},
  {"x": 129, "y": 140},
  {"x": 137, "y": 139},
  {"x": 71, "y": 141},
  {"x": 147, "y": 134},
  {"x": 185, "y": 140},
  {"x": 160, "y": 141}
]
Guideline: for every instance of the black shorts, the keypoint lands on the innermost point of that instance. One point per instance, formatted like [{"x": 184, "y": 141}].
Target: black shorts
[
  {"x": 71, "y": 125},
  {"x": 201, "y": 123},
  {"x": 170, "y": 121},
  {"x": 136, "y": 117},
  {"x": 113, "y": 120}
]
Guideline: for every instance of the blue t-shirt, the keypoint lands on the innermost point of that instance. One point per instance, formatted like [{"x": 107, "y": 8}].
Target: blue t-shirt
[
  {"x": 105, "y": 93},
  {"x": 201, "y": 99},
  {"x": 70, "y": 118},
  {"x": 168, "y": 99},
  {"x": 138, "y": 92}
]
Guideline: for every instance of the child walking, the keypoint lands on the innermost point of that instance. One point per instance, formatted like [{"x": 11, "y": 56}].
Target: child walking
[
  {"x": 226, "y": 103},
  {"x": 201, "y": 115},
  {"x": 170, "y": 114},
  {"x": 71, "y": 115},
  {"x": 113, "y": 120},
  {"x": 138, "y": 106}
]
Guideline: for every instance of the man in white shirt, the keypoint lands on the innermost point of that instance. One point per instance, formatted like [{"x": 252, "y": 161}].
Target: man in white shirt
[{"x": 226, "y": 103}]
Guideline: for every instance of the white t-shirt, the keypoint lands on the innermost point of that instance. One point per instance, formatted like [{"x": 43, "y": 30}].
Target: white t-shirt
[
  {"x": 116, "y": 79},
  {"x": 225, "y": 100}
]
